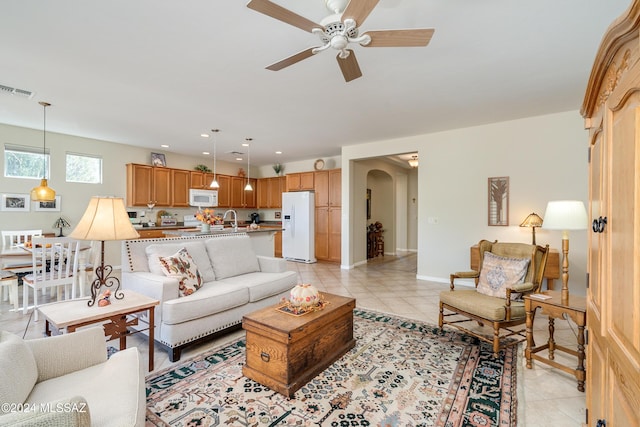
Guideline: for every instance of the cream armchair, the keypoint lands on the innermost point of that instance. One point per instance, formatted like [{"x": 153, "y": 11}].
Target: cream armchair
[
  {"x": 66, "y": 380},
  {"x": 507, "y": 271}
]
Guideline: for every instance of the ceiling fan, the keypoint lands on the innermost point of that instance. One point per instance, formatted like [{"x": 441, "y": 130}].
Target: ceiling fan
[{"x": 340, "y": 29}]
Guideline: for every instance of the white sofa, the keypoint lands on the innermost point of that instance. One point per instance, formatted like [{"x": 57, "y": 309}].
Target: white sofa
[
  {"x": 66, "y": 380},
  {"x": 236, "y": 281}
]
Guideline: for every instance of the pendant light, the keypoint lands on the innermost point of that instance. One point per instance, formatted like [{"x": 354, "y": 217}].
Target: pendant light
[
  {"x": 43, "y": 193},
  {"x": 248, "y": 187},
  {"x": 214, "y": 184}
]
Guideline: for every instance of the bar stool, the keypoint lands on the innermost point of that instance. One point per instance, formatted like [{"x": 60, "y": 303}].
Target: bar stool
[{"x": 10, "y": 280}]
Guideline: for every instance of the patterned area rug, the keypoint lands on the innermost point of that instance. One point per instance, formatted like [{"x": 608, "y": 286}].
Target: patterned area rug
[{"x": 400, "y": 373}]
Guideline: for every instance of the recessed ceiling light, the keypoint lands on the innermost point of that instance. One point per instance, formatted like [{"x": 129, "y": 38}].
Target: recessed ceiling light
[
  {"x": 204, "y": 135},
  {"x": 206, "y": 153},
  {"x": 238, "y": 158},
  {"x": 244, "y": 144},
  {"x": 278, "y": 152},
  {"x": 164, "y": 146}
]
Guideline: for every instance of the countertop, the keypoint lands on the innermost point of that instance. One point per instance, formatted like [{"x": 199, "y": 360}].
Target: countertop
[
  {"x": 180, "y": 225},
  {"x": 228, "y": 230}
]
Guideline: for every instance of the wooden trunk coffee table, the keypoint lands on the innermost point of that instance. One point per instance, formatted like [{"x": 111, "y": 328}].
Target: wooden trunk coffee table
[{"x": 285, "y": 351}]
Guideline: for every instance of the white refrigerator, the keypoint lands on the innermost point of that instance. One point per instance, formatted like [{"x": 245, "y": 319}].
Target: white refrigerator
[{"x": 298, "y": 221}]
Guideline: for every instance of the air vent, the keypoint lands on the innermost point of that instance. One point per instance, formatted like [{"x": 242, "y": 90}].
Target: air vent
[{"x": 16, "y": 91}]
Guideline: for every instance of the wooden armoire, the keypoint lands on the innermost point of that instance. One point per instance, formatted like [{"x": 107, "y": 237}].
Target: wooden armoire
[{"x": 611, "y": 109}]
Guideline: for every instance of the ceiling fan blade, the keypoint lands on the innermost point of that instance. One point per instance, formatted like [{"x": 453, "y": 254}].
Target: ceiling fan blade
[
  {"x": 291, "y": 60},
  {"x": 349, "y": 66},
  {"x": 280, "y": 13},
  {"x": 358, "y": 10},
  {"x": 400, "y": 38}
]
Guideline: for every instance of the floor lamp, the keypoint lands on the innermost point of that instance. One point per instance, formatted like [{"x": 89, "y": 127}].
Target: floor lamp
[
  {"x": 104, "y": 219},
  {"x": 565, "y": 215}
]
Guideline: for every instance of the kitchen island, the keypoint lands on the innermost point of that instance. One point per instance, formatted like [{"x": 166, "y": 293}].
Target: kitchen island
[{"x": 262, "y": 238}]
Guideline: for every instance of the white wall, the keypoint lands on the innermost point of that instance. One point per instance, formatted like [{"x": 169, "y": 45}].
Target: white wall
[{"x": 545, "y": 158}]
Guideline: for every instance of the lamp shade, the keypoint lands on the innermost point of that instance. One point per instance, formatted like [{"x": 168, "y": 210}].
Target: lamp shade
[
  {"x": 565, "y": 215},
  {"x": 105, "y": 219},
  {"x": 532, "y": 220}
]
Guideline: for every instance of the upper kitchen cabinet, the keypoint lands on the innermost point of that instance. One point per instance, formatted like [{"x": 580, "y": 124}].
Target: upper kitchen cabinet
[
  {"x": 224, "y": 191},
  {"x": 180, "y": 183},
  {"x": 148, "y": 184},
  {"x": 328, "y": 188},
  {"x": 270, "y": 192},
  {"x": 239, "y": 197},
  {"x": 200, "y": 180},
  {"x": 300, "y": 181}
]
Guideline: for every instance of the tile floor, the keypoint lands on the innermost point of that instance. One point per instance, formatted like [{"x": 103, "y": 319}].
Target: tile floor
[{"x": 388, "y": 284}]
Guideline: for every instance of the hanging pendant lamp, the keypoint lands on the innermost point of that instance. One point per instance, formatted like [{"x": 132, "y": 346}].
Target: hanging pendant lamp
[
  {"x": 248, "y": 187},
  {"x": 43, "y": 193},
  {"x": 214, "y": 184}
]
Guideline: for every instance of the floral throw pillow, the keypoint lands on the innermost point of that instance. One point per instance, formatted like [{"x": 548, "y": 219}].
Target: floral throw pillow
[
  {"x": 498, "y": 273},
  {"x": 181, "y": 266}
]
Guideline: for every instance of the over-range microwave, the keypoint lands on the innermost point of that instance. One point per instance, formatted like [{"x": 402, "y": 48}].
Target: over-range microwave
[{"x": 203, "y": 198}]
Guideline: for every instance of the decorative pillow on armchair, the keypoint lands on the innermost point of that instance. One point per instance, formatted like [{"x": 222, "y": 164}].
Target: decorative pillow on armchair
[
  {"x": 498, "y": 273},
  {"x": 181, "y": 266}
]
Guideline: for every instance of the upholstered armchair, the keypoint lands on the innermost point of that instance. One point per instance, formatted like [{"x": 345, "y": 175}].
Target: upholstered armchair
[{"x": 506, "y": 272}]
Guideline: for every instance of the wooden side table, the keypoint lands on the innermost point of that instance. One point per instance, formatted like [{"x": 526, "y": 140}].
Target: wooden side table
[
  {"x": 575, "y": 309},
  {"x": 72, "y": 314}
]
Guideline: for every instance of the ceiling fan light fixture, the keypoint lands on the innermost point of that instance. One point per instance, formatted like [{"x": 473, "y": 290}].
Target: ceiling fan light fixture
[
  {"x": 413, "y": 161},
  {"x": 43, "y": 193}
]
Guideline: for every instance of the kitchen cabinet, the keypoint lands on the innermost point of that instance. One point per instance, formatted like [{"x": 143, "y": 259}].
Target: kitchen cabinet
[
  {"x": 277, "y": 244},
  {"x": 224, "y": 192},
  {"x": 301, "y": 181},
  {"x": 241, "y": 198},
  {"x": 610, "y": 109},
  {"x": 200, "y": 180},
  {"x": 180, "y": 183},
  {"x": 328, "y": 196},
  {"x": 139, "y": 184},
  {"x": 328, "y": 227},
  {"x": 270, "y": 192},
  {"x": 148, "y": 184},
  {"x": 161, "y": 188},
  {"x": 335, "y": 187}
]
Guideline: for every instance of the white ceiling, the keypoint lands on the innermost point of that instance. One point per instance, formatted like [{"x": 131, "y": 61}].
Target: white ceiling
[{"x": 151, "y": 72}]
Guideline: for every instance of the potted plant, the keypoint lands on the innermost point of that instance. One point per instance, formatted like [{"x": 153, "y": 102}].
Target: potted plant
[{"x": 277, "y": 168}]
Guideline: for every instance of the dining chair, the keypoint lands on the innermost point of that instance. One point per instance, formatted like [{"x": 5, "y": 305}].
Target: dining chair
[
  {"x": 58, "y": 257},
  {"x": 16, "y": 264}
]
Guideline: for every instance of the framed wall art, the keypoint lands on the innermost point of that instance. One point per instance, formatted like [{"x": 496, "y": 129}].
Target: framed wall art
[
  {"x": 499, "y": 201},
  {"x": 158, "y": 159},
  {"x": 15, "y": 202},
  {"x": 53, "y": 206},
  {"x": 368, "y": 203}
]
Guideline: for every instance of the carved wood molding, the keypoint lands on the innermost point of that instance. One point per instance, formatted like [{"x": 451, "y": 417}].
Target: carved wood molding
[{"x": 612, "y": 78}]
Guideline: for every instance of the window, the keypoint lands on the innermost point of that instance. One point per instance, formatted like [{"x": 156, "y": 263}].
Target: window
[
  {"x": 25, "y": 162},
  {"x": 84, "y": 168}
]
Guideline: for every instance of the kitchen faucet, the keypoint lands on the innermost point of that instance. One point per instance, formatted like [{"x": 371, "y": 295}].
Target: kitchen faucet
[{"x": 234, "y": 224}]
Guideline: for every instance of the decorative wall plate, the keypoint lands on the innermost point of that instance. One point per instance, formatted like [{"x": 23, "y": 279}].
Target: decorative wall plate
[{"x": 318, "y": 165}]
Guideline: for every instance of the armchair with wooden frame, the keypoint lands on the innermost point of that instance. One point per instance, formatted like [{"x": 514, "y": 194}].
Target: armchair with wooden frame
[{"x": 510, "y": 272}]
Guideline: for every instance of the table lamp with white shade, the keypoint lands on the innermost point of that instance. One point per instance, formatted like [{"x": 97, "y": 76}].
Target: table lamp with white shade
[
  {"x": 565, "y": 215},
  {"x": 105, "y": 219}
]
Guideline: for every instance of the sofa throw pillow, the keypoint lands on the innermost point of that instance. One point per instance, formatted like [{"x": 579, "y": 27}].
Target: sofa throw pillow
[
  {"x": 196, "y": 249},
  {"x": 498, "y": 273},
  {"x": 181, "y": 266},
  {"x": 19, "y": 371}
]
